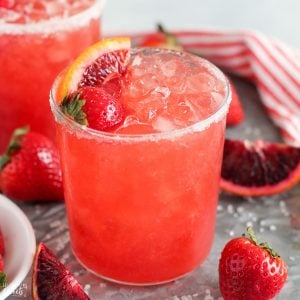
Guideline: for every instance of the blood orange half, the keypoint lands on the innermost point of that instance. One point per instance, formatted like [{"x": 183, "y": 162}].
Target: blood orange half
[
  {"x": 51, "y": 280},
  {"x": 99, "y": 63},
  {"x": 259, "y": 168}
]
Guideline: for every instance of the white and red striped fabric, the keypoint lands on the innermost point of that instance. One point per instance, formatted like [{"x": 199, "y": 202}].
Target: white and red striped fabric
[{"x": 273, "y": 66}]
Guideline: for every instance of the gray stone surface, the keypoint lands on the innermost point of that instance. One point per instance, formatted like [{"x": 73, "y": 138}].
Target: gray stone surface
[{"x": 277, "y": 218}]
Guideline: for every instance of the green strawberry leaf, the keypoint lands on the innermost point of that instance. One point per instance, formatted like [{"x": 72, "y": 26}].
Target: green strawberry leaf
[
  {"x": 72, "y": 106},
  {"x": 13, "y": 146},
  {"x": 252, "y": 236},
  {"x": 3, "y": 280},
  {"x": 170, "y": 38}
]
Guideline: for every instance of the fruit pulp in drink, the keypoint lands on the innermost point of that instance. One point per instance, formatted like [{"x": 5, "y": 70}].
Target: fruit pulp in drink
[
  {"x": 141, "y": 201},
  {"x": 37, "y": 40}
]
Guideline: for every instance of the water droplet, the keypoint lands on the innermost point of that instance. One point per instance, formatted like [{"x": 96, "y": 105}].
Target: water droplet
[
  {"x": 230, "y": 208},
  {"x": 262, "y": 222},
  {"x": 292, "y": 258},
  {"x": 220, "y": 208},
  {"x": 231, "y": 233},
  {"x": 240, "y": 209}
]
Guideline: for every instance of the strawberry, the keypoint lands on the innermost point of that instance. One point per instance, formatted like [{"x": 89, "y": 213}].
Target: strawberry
[
  {"x": 30, "y": 168},
  {"x": 161, "y": 39},
  {"x": 250, "y": 270},
  {"x": 94, "y": 107},
  {"x": 2, "y": 248},
  {"x": 236, "y": 114}
]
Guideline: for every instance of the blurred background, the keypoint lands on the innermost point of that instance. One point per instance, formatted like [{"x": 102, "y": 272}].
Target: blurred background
[{"x": 280, "y": 18}]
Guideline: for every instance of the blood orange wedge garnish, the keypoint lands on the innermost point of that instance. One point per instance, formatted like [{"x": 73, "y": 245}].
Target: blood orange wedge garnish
[
  {"x": 106, "y": 59},
  {"x": 259, "y": 168},
  {"x": 51, "y": 279}
]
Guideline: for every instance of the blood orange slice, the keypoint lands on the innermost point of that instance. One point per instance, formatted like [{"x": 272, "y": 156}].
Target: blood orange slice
[
  {"x": 259, "y": 168},
  {"x": 96, "y": 65},
  {"x": 51, "y": 279}
]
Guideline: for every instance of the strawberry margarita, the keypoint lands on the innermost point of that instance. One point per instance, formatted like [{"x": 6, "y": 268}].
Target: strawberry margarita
[
  {"x": 141, "y": 199},
  {"x": 37, "y": 40}
]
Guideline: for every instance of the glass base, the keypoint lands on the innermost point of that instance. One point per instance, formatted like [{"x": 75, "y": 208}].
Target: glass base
[{"x": 133, "y": 283}]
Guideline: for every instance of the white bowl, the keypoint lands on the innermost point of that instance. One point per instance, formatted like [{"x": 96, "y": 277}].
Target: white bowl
[{"x": 20, "y": 244}]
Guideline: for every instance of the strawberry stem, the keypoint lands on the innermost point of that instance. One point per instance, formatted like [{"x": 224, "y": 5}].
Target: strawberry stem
[
  {"x": 170, "y": 38},
  {"x": 252, "y": 236},
  {"x": 72, "y": 106},
  {"x": 13, "y": 146},
  {"x": 3, "y": 280}
]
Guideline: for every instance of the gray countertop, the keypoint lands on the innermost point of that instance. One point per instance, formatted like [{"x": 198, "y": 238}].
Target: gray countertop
[{"x": 276, "y": 218}]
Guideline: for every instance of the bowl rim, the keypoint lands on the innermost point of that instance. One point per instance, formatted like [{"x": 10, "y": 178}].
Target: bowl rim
[{"x": 28, "y": 256}]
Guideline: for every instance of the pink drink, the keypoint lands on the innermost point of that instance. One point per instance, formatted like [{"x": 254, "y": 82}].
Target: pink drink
[
  {"x": 37, "y": 40},
  {"x": 141, "y": 202}
]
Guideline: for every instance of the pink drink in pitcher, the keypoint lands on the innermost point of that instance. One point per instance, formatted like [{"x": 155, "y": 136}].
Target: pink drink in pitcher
[{"x": 37, "y": 40}]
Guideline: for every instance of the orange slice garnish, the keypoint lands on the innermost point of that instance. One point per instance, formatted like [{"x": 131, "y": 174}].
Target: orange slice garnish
[{"x": 95, "y": 64}]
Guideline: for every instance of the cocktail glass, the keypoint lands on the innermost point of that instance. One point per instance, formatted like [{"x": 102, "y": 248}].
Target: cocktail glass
[
  {"x": 34, "y": 47},
  {"x": 142, "y": 207}
]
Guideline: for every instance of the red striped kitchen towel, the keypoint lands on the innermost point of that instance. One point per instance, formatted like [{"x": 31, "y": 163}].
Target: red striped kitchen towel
[{"x": 272, "y": 65}]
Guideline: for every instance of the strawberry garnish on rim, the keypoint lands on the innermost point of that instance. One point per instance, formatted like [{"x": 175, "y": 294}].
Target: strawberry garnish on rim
[
  {"x": 91, "y": 86},
  {"x": 93, "y": 107}
]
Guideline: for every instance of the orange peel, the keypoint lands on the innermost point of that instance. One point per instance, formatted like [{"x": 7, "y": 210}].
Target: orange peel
[{"x": 73, "y": 74}]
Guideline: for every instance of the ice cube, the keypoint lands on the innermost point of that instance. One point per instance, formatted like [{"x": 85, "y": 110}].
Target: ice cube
[
  {"x": 183, "y": 112},
  {"x": 163, "y": 91},
  {"x": 169, "y": 68},
  {"x": 136, "y": 61},
  {"x": 199, "y": 83},
  {"x": 216, "y": 101},
  {"x": 135, "y": 89},
  {"x": 147, "y": 108},
  {"x": 163, "y": 124},
  {"x": 54, "y": 9},
  {"x": 132, "y": 125},
  {"x": 10, "y": 16}
]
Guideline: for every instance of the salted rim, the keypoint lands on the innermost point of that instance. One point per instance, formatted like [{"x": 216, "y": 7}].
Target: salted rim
[
  {"x": 56, "y": 23},
  {"x": 75, "y": 127}
]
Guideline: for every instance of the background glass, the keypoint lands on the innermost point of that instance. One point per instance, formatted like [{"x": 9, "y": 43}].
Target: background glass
[{"x": 31, "y": 55}]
